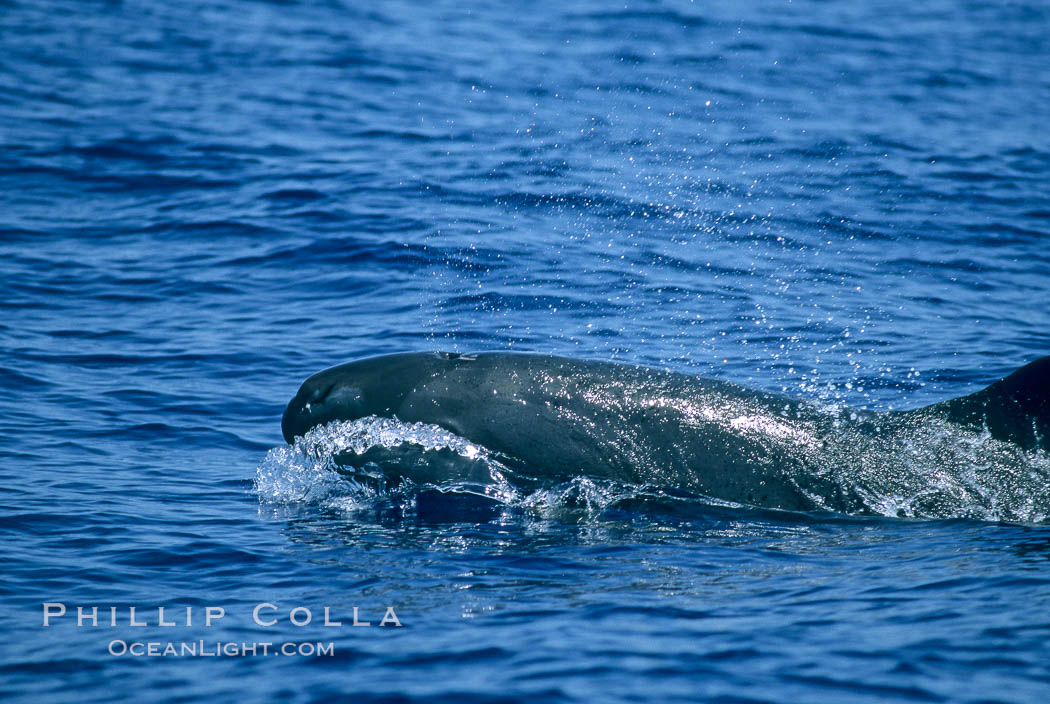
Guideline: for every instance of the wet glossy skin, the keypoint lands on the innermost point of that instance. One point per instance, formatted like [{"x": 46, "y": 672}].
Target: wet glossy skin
[
  {"x": 561, "y": 417},
  {"x": 566, "y": 417}
]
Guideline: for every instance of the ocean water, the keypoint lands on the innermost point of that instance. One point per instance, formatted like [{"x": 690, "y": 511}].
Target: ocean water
[{"x": 203, "y": 203}]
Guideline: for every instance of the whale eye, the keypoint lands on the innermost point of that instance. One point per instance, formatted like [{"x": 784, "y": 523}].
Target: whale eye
[{"x": 320, "y": 394}]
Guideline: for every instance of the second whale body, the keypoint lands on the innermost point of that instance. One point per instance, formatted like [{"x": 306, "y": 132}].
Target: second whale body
[{"x": 558, "y": 418}]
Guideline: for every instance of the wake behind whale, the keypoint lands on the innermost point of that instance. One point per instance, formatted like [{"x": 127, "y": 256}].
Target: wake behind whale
[{"x": 520, "y": 423}]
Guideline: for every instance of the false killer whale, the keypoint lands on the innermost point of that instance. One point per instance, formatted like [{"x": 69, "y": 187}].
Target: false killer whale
[{"x": 563, "y": 417}]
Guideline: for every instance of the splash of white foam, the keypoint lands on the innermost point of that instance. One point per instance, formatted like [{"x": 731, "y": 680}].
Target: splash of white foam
[
  {"x": 307, "y": 471},
  {"x": 933, "y": 469}
]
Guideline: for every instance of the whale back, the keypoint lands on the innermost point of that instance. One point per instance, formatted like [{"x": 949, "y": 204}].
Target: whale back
[{"x": 1014, "y": 409}]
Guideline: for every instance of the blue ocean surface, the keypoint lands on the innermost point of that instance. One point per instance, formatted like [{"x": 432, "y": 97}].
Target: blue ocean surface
[{"x": 202, "y": 203}]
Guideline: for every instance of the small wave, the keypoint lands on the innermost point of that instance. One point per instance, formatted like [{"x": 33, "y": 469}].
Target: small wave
[
  {"x": 375, "y": 463},
  {"x": 352, "y": 464}
]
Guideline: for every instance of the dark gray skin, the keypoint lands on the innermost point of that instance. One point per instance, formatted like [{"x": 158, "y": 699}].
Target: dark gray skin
[{"x": 565, "y": 417}]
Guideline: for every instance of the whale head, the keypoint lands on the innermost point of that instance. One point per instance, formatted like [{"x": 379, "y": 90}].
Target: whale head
[{"x": 375, "y": 386}]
